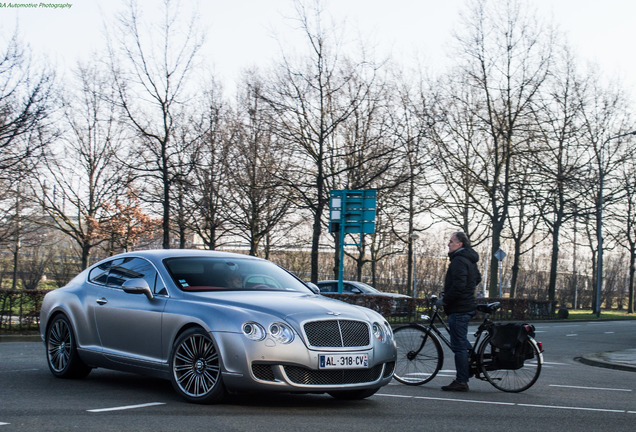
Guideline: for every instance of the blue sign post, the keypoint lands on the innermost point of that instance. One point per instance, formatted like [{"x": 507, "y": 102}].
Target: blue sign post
[{"x": 351, "y": 212}]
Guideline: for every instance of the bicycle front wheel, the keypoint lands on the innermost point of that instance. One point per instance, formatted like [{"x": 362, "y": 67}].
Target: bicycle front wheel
[
  {"x": 510, "y": 380},
  {"x": 419, "y": 355}
]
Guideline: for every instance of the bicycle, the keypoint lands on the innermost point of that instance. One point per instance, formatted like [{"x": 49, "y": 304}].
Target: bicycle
[{"x": 509, "y": 369}]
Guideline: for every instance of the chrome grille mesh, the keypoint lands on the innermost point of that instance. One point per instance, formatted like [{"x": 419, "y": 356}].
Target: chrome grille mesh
[
  {"x": 337, "y": 333},
  {"x": 263, "y": 371}
]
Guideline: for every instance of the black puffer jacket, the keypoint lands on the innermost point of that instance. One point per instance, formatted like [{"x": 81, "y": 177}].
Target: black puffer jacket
[{"x": 461, "y": 279}]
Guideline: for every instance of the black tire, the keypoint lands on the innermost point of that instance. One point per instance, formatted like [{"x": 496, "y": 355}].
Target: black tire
[
  {"x": 61, "y": 350},
  {"x": 415, "y": 366},
  {"x": 195, "y": 366},
  {"x": 353, "y": 394},
  {"x": 509, "y": 380}
]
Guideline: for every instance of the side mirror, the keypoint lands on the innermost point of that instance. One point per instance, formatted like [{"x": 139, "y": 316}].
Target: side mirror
[
  {"x": 313, "y": 287},
  {"x": 137, "y": 286}
]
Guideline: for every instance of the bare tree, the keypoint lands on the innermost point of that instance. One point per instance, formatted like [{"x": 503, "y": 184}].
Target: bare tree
[
  {"x": 310, "y": 100},
  {"x": 208, "y": 182},
  {"x": 523, "y": 217},
  {"x": 504, "y": 59},
  {"x": 153, "y": 65},
  {"x": 409, "y": 193},
  {"x": 258, "y": 201},
  {"x": 368, "y": 157},
  {"x": 25, "y": 98},
  {"x": 623, "y": 219},
  {"x": 459, "y": 159},
  {"x": 559, "y": 159},
  {"x": 25, "y": 105},
  {"x": 75, "y": 184},
  {"x": 606, "y": 128}
]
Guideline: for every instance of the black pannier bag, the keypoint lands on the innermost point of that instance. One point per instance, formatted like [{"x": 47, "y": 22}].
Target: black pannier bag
[{"x": 510, "y": 345}]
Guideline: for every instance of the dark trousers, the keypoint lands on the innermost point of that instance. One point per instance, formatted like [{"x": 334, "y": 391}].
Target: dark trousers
[{"x": 458, "y": 325}]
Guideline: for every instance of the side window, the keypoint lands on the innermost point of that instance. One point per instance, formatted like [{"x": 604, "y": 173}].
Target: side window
[
  {"x": 99, "y": 274},
  {"x": 131, "y": 268},
  {"x": 329, "y": 287},
  {"x": 347, "y": 288}
]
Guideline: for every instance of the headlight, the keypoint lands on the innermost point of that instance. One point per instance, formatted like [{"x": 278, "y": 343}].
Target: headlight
[
  {"x": 281, "y": 333},
  {"x": 254, "y": 331},
  {"x": 389, "y": 330},
  {"x": 378, "y": 332}
]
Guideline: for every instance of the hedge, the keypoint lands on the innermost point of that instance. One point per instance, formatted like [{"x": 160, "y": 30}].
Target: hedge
[
  {"x": 20, "y": 309},
  {"x": 410, "y": 309}
]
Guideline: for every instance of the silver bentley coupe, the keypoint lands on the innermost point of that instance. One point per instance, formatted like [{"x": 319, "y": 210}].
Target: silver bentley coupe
[{"x": 213, "y": 323}]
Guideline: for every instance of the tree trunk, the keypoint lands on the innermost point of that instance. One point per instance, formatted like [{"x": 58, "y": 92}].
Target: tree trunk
[
  {"x": 554, "y": 262},
  {"x": 632, "y": 269}
]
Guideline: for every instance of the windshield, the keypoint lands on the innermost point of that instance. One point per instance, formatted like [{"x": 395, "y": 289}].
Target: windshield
[
  {"x": 208, "y": 274},
  {"x": 366, "y": 288}
]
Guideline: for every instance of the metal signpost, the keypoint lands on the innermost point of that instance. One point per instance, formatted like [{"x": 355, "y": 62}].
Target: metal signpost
[{"x": 351, "y": 212}]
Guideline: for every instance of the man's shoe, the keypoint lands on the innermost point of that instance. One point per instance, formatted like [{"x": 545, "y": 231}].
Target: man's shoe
[{"x": 456, "y": 386}]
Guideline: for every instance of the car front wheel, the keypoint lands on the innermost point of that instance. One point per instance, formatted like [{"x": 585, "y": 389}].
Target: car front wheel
[
  {"x": 195, "y": 366},
  {"x": 61, "y": 350}
]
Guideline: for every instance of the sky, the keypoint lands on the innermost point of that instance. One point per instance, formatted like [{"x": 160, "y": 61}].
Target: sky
[{"x": 241, "y": 32}]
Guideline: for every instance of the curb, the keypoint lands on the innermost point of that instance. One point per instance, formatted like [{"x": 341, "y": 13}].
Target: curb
[
  {"x": 20, "y": 338},
  {"x": 597, "y": 360}
]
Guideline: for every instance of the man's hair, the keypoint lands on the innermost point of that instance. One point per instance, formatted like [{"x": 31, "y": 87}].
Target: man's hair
[{"x": 462, "y": 238}]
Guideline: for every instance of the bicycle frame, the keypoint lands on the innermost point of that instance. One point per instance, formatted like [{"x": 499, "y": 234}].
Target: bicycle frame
[
  {"x": 431, "y": 325},
  {"x": 486, "y": 325}
]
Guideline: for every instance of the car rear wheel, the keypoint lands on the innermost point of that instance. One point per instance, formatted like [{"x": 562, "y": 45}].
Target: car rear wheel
[
  {"x": 61, "y": 350},
  {"x": 195, "y": 364}
]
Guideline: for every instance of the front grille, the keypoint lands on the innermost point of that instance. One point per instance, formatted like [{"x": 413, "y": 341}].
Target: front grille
[
  {"x": 300, "y": 375},
  {"x": 337, "y": 333}
]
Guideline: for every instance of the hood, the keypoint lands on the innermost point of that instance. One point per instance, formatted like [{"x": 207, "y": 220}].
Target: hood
[
  {"x": 467, "y": 253},
  {"x": 288, "y": 306}
]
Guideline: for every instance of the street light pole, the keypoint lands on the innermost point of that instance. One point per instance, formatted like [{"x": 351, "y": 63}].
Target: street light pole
[
  {"x": 599, "y": 222},
  {"x": 414, "y": 238}
]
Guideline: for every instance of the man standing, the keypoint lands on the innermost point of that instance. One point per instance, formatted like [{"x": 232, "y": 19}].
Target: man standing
[{"x": 461, "y": 279}]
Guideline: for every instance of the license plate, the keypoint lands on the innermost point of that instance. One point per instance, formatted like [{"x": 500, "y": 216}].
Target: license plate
[{"x": 343, "y": 361}]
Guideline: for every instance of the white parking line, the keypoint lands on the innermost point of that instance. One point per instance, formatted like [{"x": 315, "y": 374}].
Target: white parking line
[
  {"x": 464, "y": 400},
  {"x": 572, "y": 408},
  {"x": 511, "y": 404},
  {"x": 591, "y": 388},
  {"x": 573, "y": 334},
  {"x": 4, "y": 424},
  {"x": 125, "y": 407}
]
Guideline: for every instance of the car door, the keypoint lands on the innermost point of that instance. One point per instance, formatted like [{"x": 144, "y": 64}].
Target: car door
[{"x": 129, "y": 325}]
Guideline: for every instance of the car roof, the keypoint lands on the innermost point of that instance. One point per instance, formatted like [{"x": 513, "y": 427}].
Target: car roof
[
  {"x": 160, "y": 254},
  {"x": 332, "y": 281}
]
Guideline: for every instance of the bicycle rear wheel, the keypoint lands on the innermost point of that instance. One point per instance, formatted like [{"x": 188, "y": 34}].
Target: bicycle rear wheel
[
  {"x": 510, "y": 380},
  {"x": 419, "y": 355}
]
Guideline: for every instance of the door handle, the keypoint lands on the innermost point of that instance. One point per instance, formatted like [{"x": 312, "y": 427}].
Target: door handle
[{"x": 102, "y": 301}]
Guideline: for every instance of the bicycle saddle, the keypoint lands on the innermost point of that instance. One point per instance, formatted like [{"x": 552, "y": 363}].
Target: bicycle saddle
[{"x": 489, "y": 308}]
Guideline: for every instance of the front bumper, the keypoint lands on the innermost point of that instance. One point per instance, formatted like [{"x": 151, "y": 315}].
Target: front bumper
[{"x": 264, "y": 365}]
